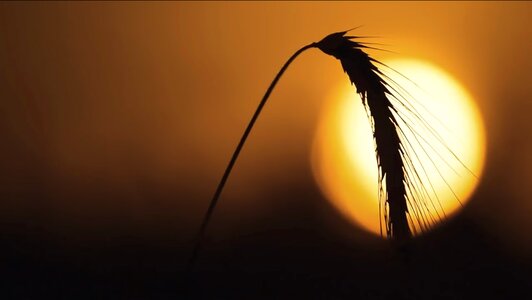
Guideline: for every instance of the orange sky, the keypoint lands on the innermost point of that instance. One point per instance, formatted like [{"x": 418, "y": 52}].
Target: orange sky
[{"x": 124, "y": 114}]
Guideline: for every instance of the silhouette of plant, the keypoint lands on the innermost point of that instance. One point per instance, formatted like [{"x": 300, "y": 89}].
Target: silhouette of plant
[{"x": 399, "y": 181}]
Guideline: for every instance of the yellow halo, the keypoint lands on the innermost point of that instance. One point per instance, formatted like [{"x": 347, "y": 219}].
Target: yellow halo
[{"x": 344, "y": 162}]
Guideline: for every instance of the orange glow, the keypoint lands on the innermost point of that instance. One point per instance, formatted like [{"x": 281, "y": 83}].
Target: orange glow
[{"x": 344, "y": 160}]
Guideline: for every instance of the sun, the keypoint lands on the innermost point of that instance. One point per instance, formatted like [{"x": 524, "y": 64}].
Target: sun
[{"x": 443, "y": 131}]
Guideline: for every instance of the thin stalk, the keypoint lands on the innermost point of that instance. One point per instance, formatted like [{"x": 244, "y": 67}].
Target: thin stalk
[{"x": 219, "y": 189}]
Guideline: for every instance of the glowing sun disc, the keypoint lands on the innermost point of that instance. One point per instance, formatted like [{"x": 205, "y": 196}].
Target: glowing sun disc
[{"x": 449, "y": 147}]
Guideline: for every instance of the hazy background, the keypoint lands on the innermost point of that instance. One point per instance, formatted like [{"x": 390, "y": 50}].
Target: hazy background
[{"x": 117, "y": 120}]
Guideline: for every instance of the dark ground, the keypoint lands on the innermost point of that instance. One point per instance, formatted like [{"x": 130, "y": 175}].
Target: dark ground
[{"x": 457, "y": 261}]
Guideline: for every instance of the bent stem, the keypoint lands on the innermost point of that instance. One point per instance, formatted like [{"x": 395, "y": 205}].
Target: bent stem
[{"x": 219, "y": 189}]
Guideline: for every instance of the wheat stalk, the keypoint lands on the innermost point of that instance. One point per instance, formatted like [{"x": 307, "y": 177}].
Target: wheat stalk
[
  {"x": 400, "y": 184},
  {"x": 219, "y": 189},
  {"x": 373, "y": 91}
]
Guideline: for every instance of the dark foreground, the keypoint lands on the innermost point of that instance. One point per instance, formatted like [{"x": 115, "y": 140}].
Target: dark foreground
[{"x": 457, "y": 262}]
